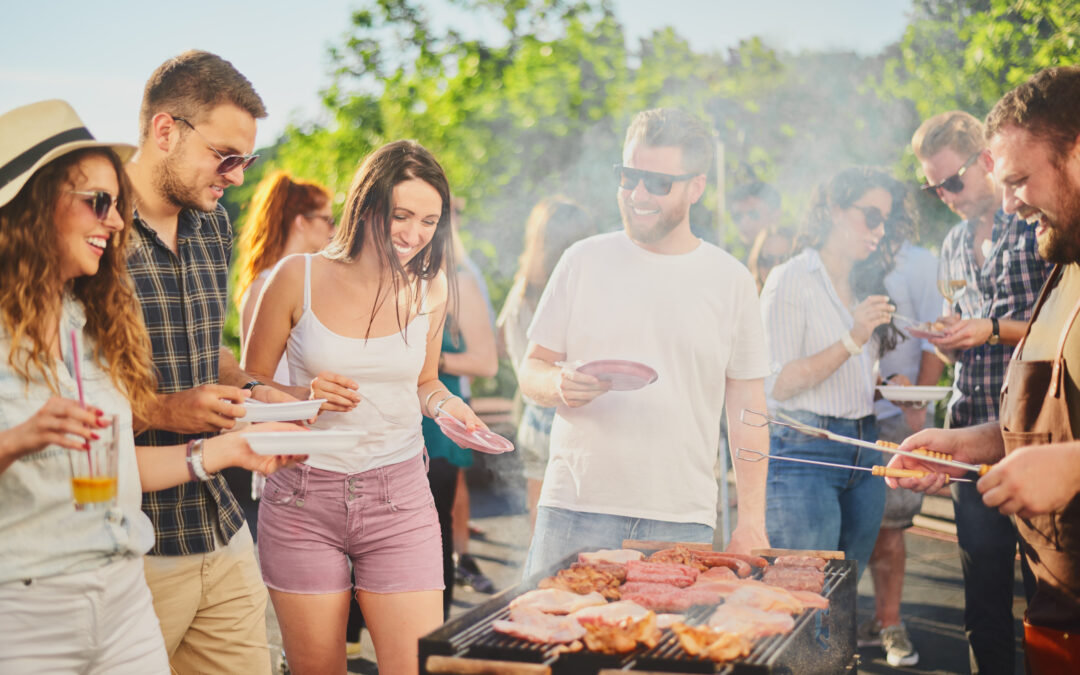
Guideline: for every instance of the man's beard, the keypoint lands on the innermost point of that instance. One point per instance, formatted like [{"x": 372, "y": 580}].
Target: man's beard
[
  {"x": 1060, "y": 241},
  {"x": 650, "y": 234},
  {"x": 172, "y": 188}
]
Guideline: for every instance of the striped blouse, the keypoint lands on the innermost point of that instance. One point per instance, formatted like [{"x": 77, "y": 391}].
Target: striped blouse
[{"x": 803, "y": 315}]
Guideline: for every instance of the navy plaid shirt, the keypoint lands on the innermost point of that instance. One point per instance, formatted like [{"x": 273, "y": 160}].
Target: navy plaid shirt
[
  {"x": 184, "y": 298},
  {"x": 1006, "y": 286}
]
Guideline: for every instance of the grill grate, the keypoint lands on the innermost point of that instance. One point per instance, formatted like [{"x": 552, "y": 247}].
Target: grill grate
[{"x": 821, "y": 641}]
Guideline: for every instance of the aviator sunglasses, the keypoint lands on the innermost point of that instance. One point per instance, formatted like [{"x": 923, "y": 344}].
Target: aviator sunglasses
[
  {"x": 656, "y": 183},
  {"x": 228, "y": 162},
  {"x": 100, "y": 202},
  {"x": 953, "y": 183}
]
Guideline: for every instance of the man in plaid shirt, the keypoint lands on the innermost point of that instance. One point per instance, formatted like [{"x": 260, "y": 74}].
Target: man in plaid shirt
[
  {"x": 197, "y": 123},
  {"x": 996, "y": 255}
]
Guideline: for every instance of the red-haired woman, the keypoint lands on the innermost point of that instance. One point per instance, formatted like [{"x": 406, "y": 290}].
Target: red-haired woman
[{"x": 286, "y": 216}]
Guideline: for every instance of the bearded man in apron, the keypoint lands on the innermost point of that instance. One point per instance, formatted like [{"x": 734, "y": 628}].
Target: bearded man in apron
[{"x": 1034, "y": 137}]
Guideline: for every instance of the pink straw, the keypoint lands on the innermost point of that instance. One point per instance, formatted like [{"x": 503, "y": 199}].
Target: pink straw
[{"x": 78, "y": 382}]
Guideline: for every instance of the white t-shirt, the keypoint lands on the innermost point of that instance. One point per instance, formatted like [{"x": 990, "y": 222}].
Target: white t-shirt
[{"x": 694, "y": 318}]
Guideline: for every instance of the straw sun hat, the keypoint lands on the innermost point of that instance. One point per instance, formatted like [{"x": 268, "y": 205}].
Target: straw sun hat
[{"x": 36, "y": 134}]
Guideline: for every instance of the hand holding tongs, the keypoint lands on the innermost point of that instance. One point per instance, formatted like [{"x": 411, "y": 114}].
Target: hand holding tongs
[
  {"x": 877, "y": 470},
  {"x": 920, "y": 453}
]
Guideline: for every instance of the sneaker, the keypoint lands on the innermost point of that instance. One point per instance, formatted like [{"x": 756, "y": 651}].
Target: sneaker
[
  {"x": 353, "y": 650},
  {"x": 467, "y": 573},
  {"x": 897, "y": 645},
  {"x": 869, "y": 633}
]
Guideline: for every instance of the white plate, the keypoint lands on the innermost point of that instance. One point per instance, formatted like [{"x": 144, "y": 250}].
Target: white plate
[
  {"x": 257, "y": 411},
  {"x": 914, "y": 394},
  {"x": 303, "y": 442}
]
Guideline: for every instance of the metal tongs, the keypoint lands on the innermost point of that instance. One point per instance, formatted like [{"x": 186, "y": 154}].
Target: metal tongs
[
  {"x": 921, "y": 454},
  {"x": 877, "y": 469}
]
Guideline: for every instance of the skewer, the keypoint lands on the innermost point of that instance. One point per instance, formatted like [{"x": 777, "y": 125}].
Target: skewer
[
  {"x": 921, "y": 454},
  {"x": 877, "y": 470}
]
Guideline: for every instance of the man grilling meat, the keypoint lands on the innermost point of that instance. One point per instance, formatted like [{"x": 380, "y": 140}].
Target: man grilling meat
[
  {"x": 640, "y": 464},
  {"x": 1034, "y": 139}
]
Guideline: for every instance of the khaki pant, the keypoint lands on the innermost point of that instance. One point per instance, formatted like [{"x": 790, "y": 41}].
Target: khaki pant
[{"x": 212, "y": 609}]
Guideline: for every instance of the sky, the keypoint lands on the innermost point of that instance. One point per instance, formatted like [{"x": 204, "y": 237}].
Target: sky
[{"x": 98, "y": 55}]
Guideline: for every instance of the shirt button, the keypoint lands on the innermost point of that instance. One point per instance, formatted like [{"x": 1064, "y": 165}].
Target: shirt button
[
  {"x": 978, "y": 388},
  {"x": 299, "y": 502}
]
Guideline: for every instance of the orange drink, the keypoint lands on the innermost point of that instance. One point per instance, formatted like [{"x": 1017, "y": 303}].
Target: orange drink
[{"x": 93, "y": 489}]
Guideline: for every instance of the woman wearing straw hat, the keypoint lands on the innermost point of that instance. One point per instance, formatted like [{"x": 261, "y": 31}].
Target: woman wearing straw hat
[{"x": 72, "y": 590}]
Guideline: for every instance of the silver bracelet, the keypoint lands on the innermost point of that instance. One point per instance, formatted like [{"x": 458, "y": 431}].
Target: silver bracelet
[
  {"x": 427, "y": 400},
  {"x": 438, "y": 406},
  {"x": 195, "y": 459}
]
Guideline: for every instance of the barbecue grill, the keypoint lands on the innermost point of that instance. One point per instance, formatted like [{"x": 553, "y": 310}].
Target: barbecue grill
[{"x": 823, "y": 641}]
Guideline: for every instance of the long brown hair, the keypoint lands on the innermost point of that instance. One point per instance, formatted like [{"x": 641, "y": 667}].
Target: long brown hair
[
  {"x": 369, "y": 206},
  {"x": 31, "y": 290},
  {"x": 867, "y": 276},
  {"x": 554, "y": 223},
  {"x": 278, "y": 199}
]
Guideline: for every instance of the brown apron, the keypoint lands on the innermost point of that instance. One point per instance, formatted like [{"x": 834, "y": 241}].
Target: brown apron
[{"x": 1034, "y": 411}]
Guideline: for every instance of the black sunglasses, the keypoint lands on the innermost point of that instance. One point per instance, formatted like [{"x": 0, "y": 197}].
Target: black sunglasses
[
  {"x": 100, "y": 202},
  {"x": 872, "y": 215},
  {"x": 656, "y": 183},
  {"x": 228, "y": 162},
  {"x": 953, "y": 183}
]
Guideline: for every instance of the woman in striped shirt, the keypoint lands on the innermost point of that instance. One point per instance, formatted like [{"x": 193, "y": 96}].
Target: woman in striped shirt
[{"x": 827, "y": 320}]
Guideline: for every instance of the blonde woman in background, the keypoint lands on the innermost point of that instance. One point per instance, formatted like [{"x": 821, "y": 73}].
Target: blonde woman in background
[{"x": 554, "y": 224}]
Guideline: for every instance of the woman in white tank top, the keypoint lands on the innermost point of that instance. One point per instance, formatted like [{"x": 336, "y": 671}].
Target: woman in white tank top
[{"x": 361, "y": 320}]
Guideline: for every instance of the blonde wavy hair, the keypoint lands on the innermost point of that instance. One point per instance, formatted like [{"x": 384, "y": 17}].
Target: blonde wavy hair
[{"x": 31, "y": 291}]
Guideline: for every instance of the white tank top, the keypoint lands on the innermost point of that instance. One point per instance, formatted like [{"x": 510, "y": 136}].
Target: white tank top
[{"x": 386, "y": 370}]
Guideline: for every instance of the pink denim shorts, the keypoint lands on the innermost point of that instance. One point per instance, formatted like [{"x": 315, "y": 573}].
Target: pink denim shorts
[{"x": 313, "y": 522}]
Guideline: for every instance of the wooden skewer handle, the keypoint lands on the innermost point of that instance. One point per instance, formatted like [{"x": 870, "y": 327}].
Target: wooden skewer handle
[
  {"x": 932, "y": 453},
  {"x": 894, "y": 472},
  {"x": 983, "y": 468}
]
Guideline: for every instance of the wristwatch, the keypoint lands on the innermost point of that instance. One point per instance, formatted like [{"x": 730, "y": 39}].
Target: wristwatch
[
  {"x": 252, "y": 384},
  {"x": 995, "y": 333}
]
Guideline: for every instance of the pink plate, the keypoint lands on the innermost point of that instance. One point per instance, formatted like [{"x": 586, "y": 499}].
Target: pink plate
[
  {"x": 481, "y": 440},
  {"x": 623, "y": 375}
]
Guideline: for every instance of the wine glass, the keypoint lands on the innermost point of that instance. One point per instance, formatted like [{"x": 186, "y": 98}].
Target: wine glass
[{"x": 950, "y": 284}]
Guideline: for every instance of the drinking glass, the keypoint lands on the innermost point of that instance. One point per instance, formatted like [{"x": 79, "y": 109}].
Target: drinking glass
[
  {"x": 94, "y": 471},
  {"x": 951, "y": 286}
]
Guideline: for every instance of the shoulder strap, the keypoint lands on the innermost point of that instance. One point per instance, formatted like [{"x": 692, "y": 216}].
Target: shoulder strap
[{"x": 307, "y": 281}]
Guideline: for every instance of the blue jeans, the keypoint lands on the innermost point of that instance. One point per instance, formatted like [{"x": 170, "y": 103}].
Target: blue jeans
[
  {"x": 824, "y": 508},
  {"x": 560, "y": 532}
]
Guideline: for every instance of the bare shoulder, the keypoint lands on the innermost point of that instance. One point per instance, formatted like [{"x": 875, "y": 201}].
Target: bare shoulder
[{"x": 437, "y": 290}]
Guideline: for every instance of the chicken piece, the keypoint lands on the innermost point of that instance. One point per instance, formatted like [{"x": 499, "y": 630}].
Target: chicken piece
[
  {"x": 536, "y": 626},
  {"x": 714, "y": 645},
  {"x": 764, "y": 597},
  {"x": 582, "y": 579},
  {"x": 624, "y": 636},
  {"x": 750, "y": 622},
  {"x": 556, "y": 601},
  {"x": 611, "y": 613}
]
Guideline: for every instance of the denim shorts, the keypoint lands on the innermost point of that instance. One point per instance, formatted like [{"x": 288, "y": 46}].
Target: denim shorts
[{"x": 313, "y": 522}]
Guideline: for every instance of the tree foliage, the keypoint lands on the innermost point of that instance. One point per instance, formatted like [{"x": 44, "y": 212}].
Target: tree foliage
[{"x": 532, "y": 97}]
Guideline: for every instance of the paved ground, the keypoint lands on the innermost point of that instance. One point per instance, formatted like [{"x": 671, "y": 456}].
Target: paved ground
[{"x": 933, "y": 587}]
